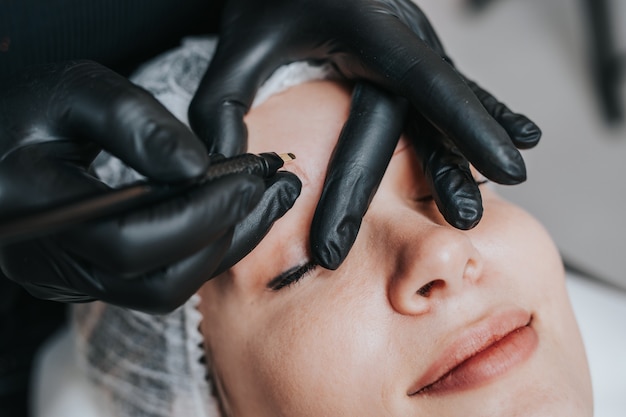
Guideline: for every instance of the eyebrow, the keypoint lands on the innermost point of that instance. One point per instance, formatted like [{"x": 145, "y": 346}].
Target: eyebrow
[
  {"x": 280, "y": 277},
  {"x": 292, "y": 276}
]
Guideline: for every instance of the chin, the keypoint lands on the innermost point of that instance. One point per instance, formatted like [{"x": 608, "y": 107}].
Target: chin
[
  {"x": 562, "y": 407},
  {"x": 540, "y": 389},
  {"x": 534, "y": 404}
]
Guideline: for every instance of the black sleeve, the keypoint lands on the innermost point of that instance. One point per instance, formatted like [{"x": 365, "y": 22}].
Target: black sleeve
[{"x": 117, "y": 33}]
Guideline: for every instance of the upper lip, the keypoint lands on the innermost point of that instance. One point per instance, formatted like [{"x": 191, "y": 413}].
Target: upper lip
[{"x": 470, "y": 342}]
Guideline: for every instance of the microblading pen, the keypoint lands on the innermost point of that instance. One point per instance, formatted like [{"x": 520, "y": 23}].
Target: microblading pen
[{"x": 120, "y": 200}]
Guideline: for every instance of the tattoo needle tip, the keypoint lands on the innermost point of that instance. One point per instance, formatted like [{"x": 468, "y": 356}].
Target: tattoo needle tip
[{"x": 287, "y": 156}]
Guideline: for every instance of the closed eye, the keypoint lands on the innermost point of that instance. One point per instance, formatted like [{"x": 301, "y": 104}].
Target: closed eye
[
  {"x": 429, "y": 197},
  {"x": 291, "y": 276}
]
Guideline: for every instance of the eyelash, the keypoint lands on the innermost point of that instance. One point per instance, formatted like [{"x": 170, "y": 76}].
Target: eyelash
[{"x": 293, "y": 277}]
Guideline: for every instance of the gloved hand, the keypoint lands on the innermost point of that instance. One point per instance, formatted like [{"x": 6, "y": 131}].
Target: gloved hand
[
  {"x": 53, "y": 122},
  {"x": 391, "y": 44}
]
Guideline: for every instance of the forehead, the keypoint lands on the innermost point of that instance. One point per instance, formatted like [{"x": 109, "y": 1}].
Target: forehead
[{"x": 305, "y": 120}]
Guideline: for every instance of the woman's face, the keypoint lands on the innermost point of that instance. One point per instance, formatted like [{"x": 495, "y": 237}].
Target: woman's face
[{"x": 420, "y": 320}]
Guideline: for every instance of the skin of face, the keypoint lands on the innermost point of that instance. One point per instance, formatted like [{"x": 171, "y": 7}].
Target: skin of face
[{"x": 353, "y": 342}]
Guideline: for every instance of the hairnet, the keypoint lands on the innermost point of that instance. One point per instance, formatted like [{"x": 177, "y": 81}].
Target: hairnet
[{"x": 141, "y": 364}]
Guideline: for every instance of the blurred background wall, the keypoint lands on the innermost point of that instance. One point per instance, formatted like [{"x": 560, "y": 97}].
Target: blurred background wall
[{"x": 535, "y": 56}]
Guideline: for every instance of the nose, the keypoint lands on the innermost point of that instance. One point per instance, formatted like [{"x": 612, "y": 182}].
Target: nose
[{"x": 432, "y": 264}]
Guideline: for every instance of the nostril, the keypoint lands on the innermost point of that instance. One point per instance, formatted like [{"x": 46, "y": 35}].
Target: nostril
[{"x": 426, "y": 290}]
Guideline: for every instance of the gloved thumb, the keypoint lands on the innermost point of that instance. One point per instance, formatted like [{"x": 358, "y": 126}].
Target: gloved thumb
[
  {"x": 227, "y": 90},
  {"x": 282, "y": 190}
]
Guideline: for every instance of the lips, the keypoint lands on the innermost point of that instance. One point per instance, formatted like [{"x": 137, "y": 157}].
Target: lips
[{"x": 480, "y": 354}]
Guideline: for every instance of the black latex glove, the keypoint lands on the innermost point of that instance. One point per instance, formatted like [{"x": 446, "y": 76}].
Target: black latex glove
[
  {"x": 391, "y": 44},
  {"x": 53, "y": 122}
]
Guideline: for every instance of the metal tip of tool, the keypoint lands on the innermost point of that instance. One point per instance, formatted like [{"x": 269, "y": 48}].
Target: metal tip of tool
[{"x": 287, "y": 156}]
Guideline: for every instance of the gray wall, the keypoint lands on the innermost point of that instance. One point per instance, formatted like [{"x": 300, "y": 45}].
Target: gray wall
[{"x": 532, "y": 54}]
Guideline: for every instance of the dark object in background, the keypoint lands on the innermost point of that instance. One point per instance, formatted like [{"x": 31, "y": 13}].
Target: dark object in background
[
  {"x": 119, "y": 34},
  {"x": 479, "y": 4},
  {"x": 25, "y": 323},
  {"x": 608, "y": 66}
]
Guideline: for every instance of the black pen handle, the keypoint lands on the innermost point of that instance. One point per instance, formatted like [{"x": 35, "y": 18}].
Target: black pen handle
[
  {"x": 120, "y": 200},
  {"x": 262, "y": 165}
]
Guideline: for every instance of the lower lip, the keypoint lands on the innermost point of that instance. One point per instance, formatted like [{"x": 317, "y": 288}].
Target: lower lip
[{"x": 485, "y": 366}]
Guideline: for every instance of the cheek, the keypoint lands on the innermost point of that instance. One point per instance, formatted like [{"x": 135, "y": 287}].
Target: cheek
[
  {"x": 523, "y": 261},
  {"x": 518, "y": 252},
  {"x": 319, "y": 359}
]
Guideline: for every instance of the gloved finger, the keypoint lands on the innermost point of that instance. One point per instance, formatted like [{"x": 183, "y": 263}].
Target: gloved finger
[
  {"x": 56, "y": 275},
  {"x": 407, "y": 66},
  {"x": 282, "y": 190},
  {"x": 364, "y": 149},
  {"x": 61, "y": 295},
  {"x": 408, "y": 12},
  {"x": 47, "y": 277},
  {"x": 227, "y": 90},
  {"x": 162, "y": 234},
  {"x": 453, "y": 187},
  {"x": 162, "y": 290},
  {"x": 523, "y": 132},
  {"x": 92, "y": 102},
  {"x": 52, "y": 181}
]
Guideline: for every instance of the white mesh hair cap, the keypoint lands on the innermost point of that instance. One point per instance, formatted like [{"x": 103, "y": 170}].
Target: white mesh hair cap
[{"x": 144, "y": 365}]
